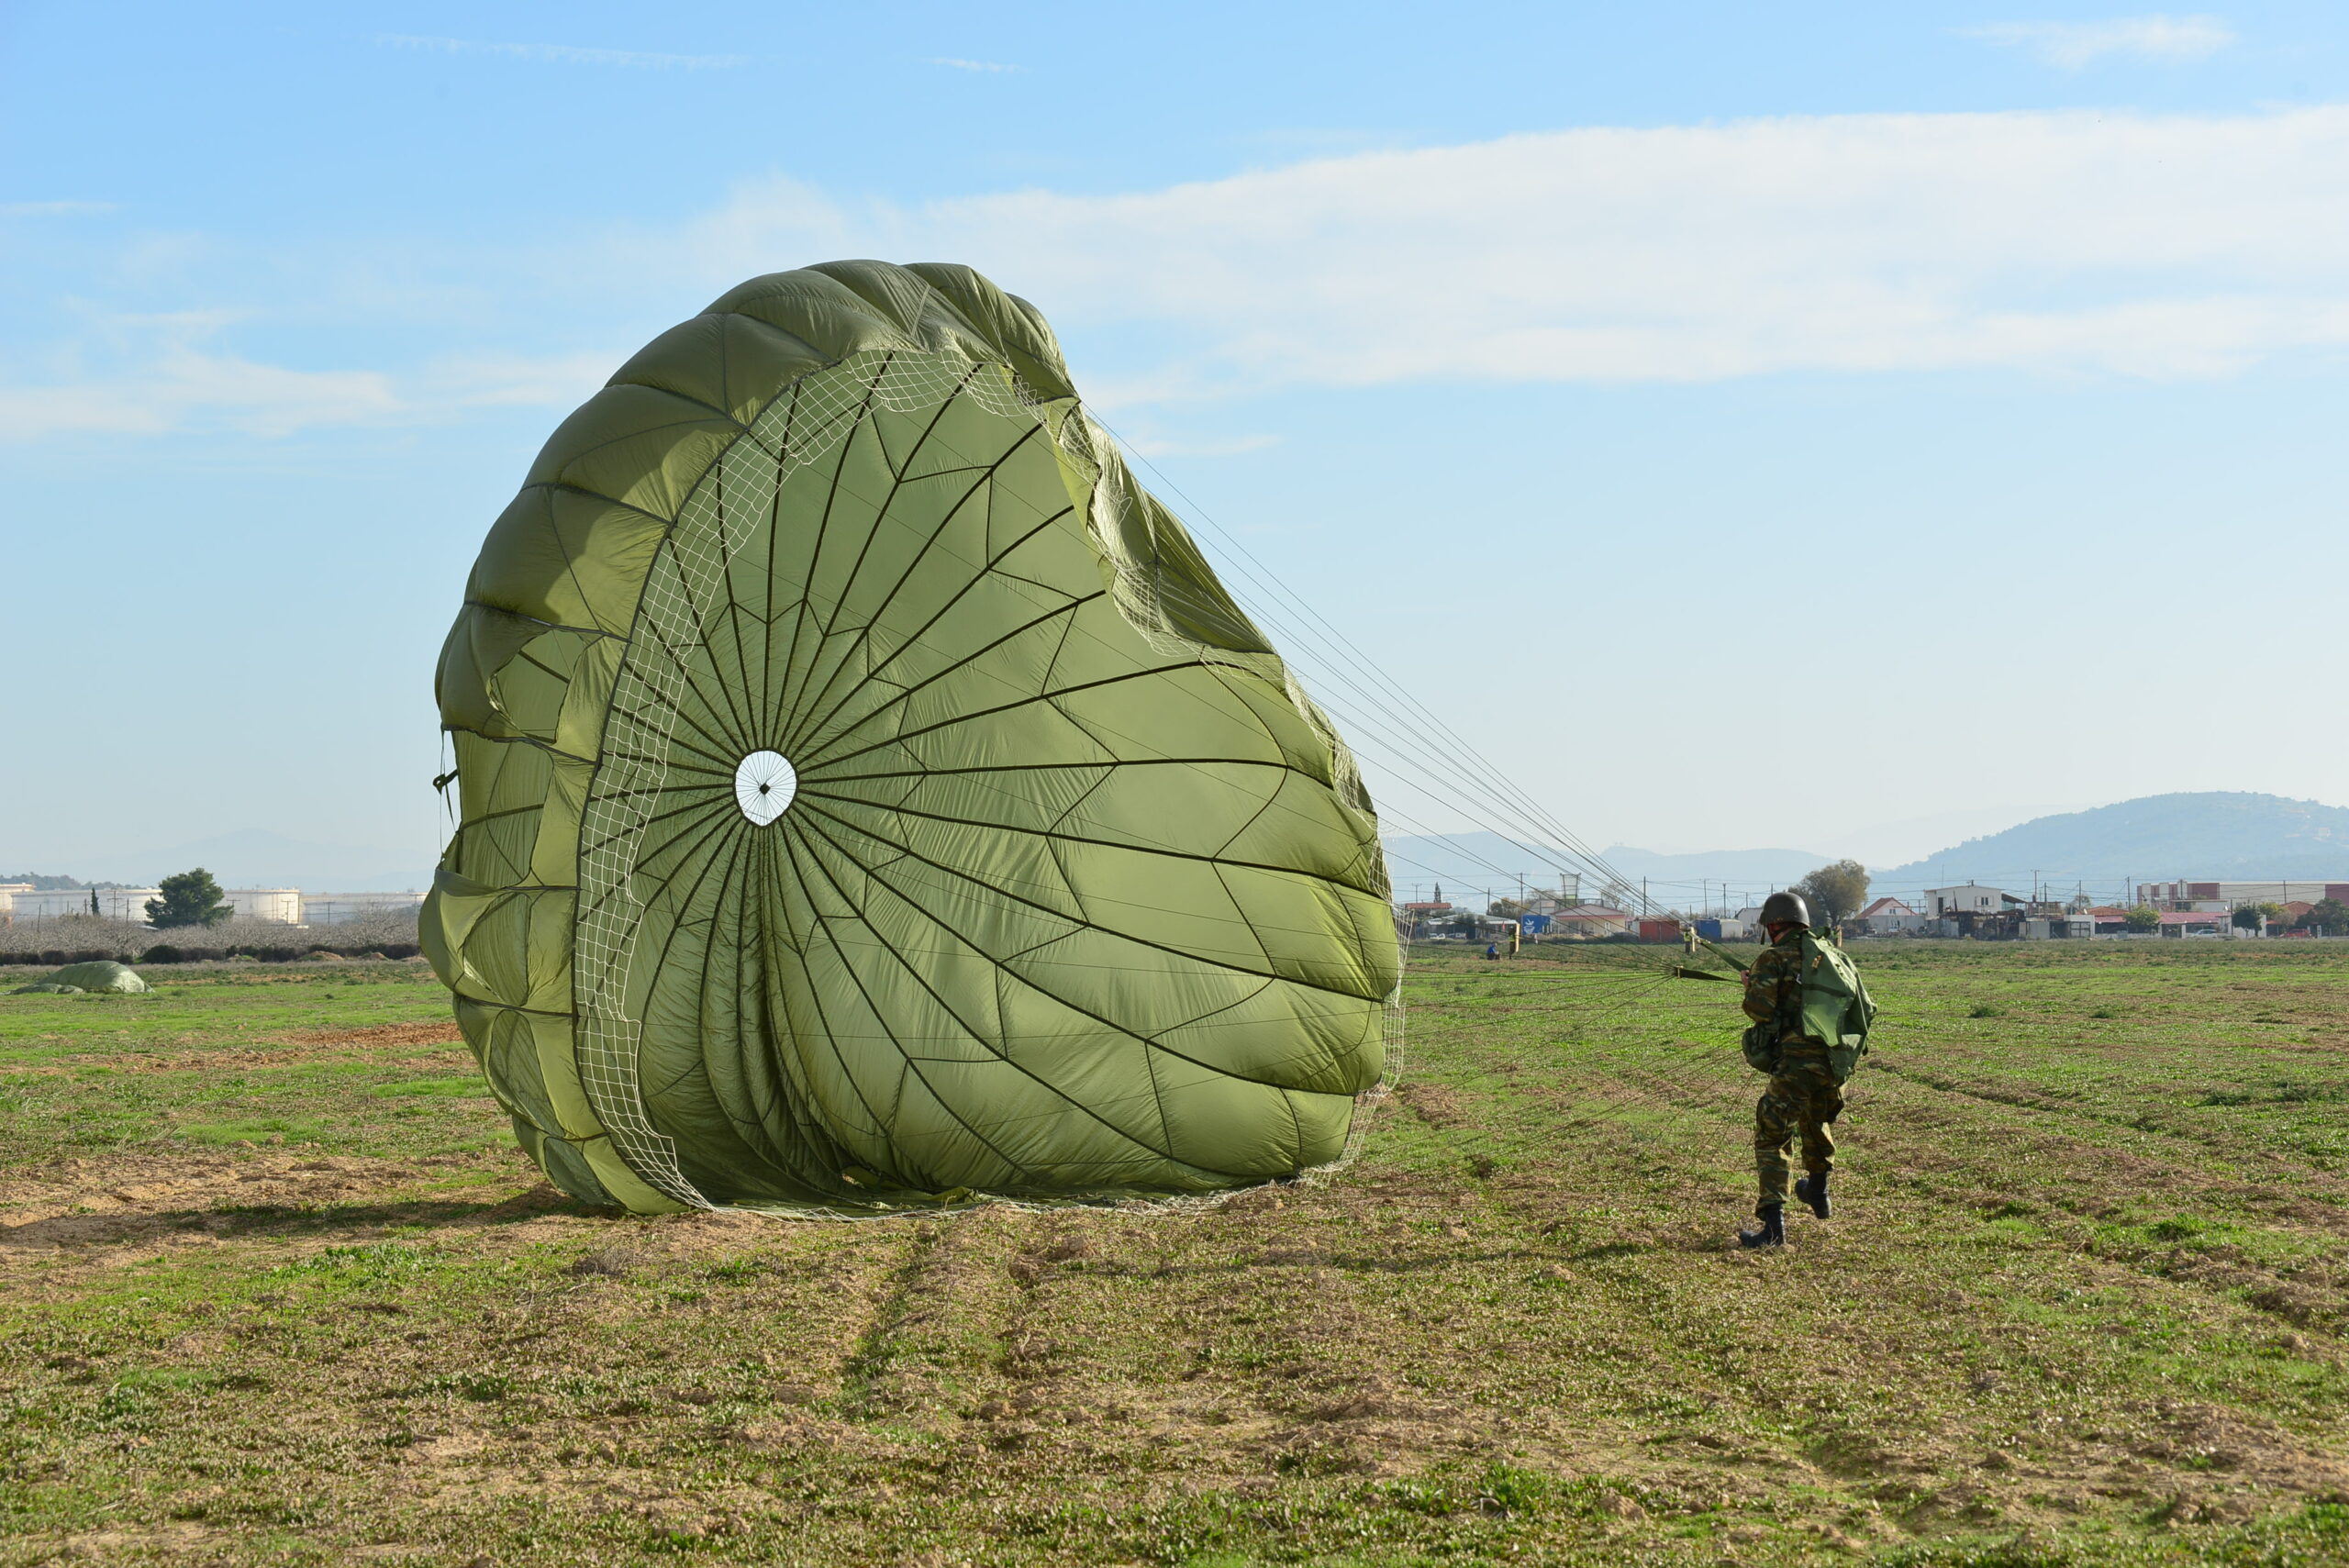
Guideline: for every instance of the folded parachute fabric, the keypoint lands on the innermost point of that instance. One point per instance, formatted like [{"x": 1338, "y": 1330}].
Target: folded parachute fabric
[
  {"x": 870, "y": 797},
  {"x": 99, "y": 974}
]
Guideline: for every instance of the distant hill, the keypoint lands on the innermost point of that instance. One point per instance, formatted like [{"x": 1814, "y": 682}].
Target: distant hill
[
  {"x": 2215, "y": 835},
  {"x": 1474, "y": 866}
]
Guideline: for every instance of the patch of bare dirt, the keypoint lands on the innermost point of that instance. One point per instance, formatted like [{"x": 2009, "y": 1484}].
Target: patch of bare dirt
[
  {"x": 441, "y": 1031},
  {"x": 193, "y": 1196},
  {"x": 1437, "y": 1106},
  {"x": 225, "y": 1060},
  {"x": 119, "y": 1544}
]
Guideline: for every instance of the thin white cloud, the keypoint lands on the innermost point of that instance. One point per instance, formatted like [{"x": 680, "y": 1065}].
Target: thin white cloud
[
  {"x": 2072, "y": 44},
  {"x": 165, "y": 374},
  {"x": 2157, "y": 246},
  {"x": 55, "y": 209},
  {"x": 565, "y": 54},
  {"x": 986, "y": 65},
  {"x": 195, "y": 391}
]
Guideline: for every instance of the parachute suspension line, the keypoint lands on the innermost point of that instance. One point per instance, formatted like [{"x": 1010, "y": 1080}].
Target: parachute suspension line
[
  {"x": 1341, "y": 666},
  {"x": 1432, "y": 747},
  {"x": 440, "y": 787},
  {"x": 1319, "y": 629}
]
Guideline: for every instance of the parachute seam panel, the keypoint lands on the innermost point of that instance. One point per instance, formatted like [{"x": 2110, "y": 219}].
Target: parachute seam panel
[
  {"x": 910, "y": 853},
  {"x": 794, "y": 726},
  {"x": 904, "y": 1057},
  {"x": 1099, "y": 843},
  {"x": 1145, "y": 1042}
]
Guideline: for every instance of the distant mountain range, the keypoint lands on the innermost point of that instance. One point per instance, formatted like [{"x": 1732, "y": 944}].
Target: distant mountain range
[
  {"x": 2223, "y": 835},
  {"x": 2216, "y": 835},
  {"x": 2213, "y": 834}
]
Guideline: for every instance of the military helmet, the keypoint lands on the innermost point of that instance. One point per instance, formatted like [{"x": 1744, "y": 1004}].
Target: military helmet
[{"x": 1786, "y": 908}]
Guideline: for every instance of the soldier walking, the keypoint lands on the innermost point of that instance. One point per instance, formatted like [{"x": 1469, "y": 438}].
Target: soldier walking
[{"x": 1805, "y": 1092}]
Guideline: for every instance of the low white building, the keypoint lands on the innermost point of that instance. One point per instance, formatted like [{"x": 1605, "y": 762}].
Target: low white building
[
  {"x": 1887, "y": 918},
  {"x": 1970, "y": 898},
  {"x": 1590, "y": 920},
  {"x": 29, "y": 905},
  {"x": 342, "y": 908},
  {"x": 280, "y": 906}
]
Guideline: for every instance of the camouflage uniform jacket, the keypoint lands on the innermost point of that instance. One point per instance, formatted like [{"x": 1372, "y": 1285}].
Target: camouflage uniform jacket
[{"x": 1774, "y": 985}]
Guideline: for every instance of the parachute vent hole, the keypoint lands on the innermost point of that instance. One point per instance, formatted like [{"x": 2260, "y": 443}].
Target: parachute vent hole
[{"x": 764, "y": 783}]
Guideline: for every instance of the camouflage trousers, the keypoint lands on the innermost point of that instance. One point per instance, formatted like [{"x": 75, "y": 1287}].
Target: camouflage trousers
[{"x": 1802, "y": 1099}]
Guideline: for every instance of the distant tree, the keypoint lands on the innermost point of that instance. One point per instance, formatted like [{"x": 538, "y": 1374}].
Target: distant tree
[
  {"x": 2245, "y": 918},
  {"x": 2143, "y": 918},
  {"x": 93, "y": 902},
  {"x": 191, "y": 898},
  {"x": 2330, "y": 916},
  {"x": 1837, "y": 892},
  {"x": 1506, "y": 908}
]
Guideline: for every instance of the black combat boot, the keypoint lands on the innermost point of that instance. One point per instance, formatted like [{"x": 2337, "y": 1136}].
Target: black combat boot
[
  {"x": 1771, "y": 1232},
  {"x": 1812, "y": 1190}
]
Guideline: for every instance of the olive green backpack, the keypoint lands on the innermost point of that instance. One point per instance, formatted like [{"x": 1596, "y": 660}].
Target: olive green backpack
[{"x": 1834, "y": 1006}]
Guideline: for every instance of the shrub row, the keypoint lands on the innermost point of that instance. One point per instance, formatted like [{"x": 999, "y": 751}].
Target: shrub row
[{"x": 174, "y": 952}]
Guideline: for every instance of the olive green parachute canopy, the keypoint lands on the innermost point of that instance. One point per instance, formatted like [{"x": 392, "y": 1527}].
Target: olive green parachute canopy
[
  {"x": 870, "y": 797},
  {"x": 99, "y": 974}
]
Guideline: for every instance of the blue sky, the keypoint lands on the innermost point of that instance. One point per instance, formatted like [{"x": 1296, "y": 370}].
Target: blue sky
[{"x": 1984, "y": 364}]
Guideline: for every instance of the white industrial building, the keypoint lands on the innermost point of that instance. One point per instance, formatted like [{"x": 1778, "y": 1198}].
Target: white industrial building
[
  {"x": 22, "y": 905},
  {"x": 280, "y": 906},
  {"x": 342, "y": 908}
]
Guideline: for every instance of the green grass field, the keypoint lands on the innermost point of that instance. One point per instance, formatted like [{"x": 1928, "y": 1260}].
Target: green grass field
[{"x": 274, "y": 1287}]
